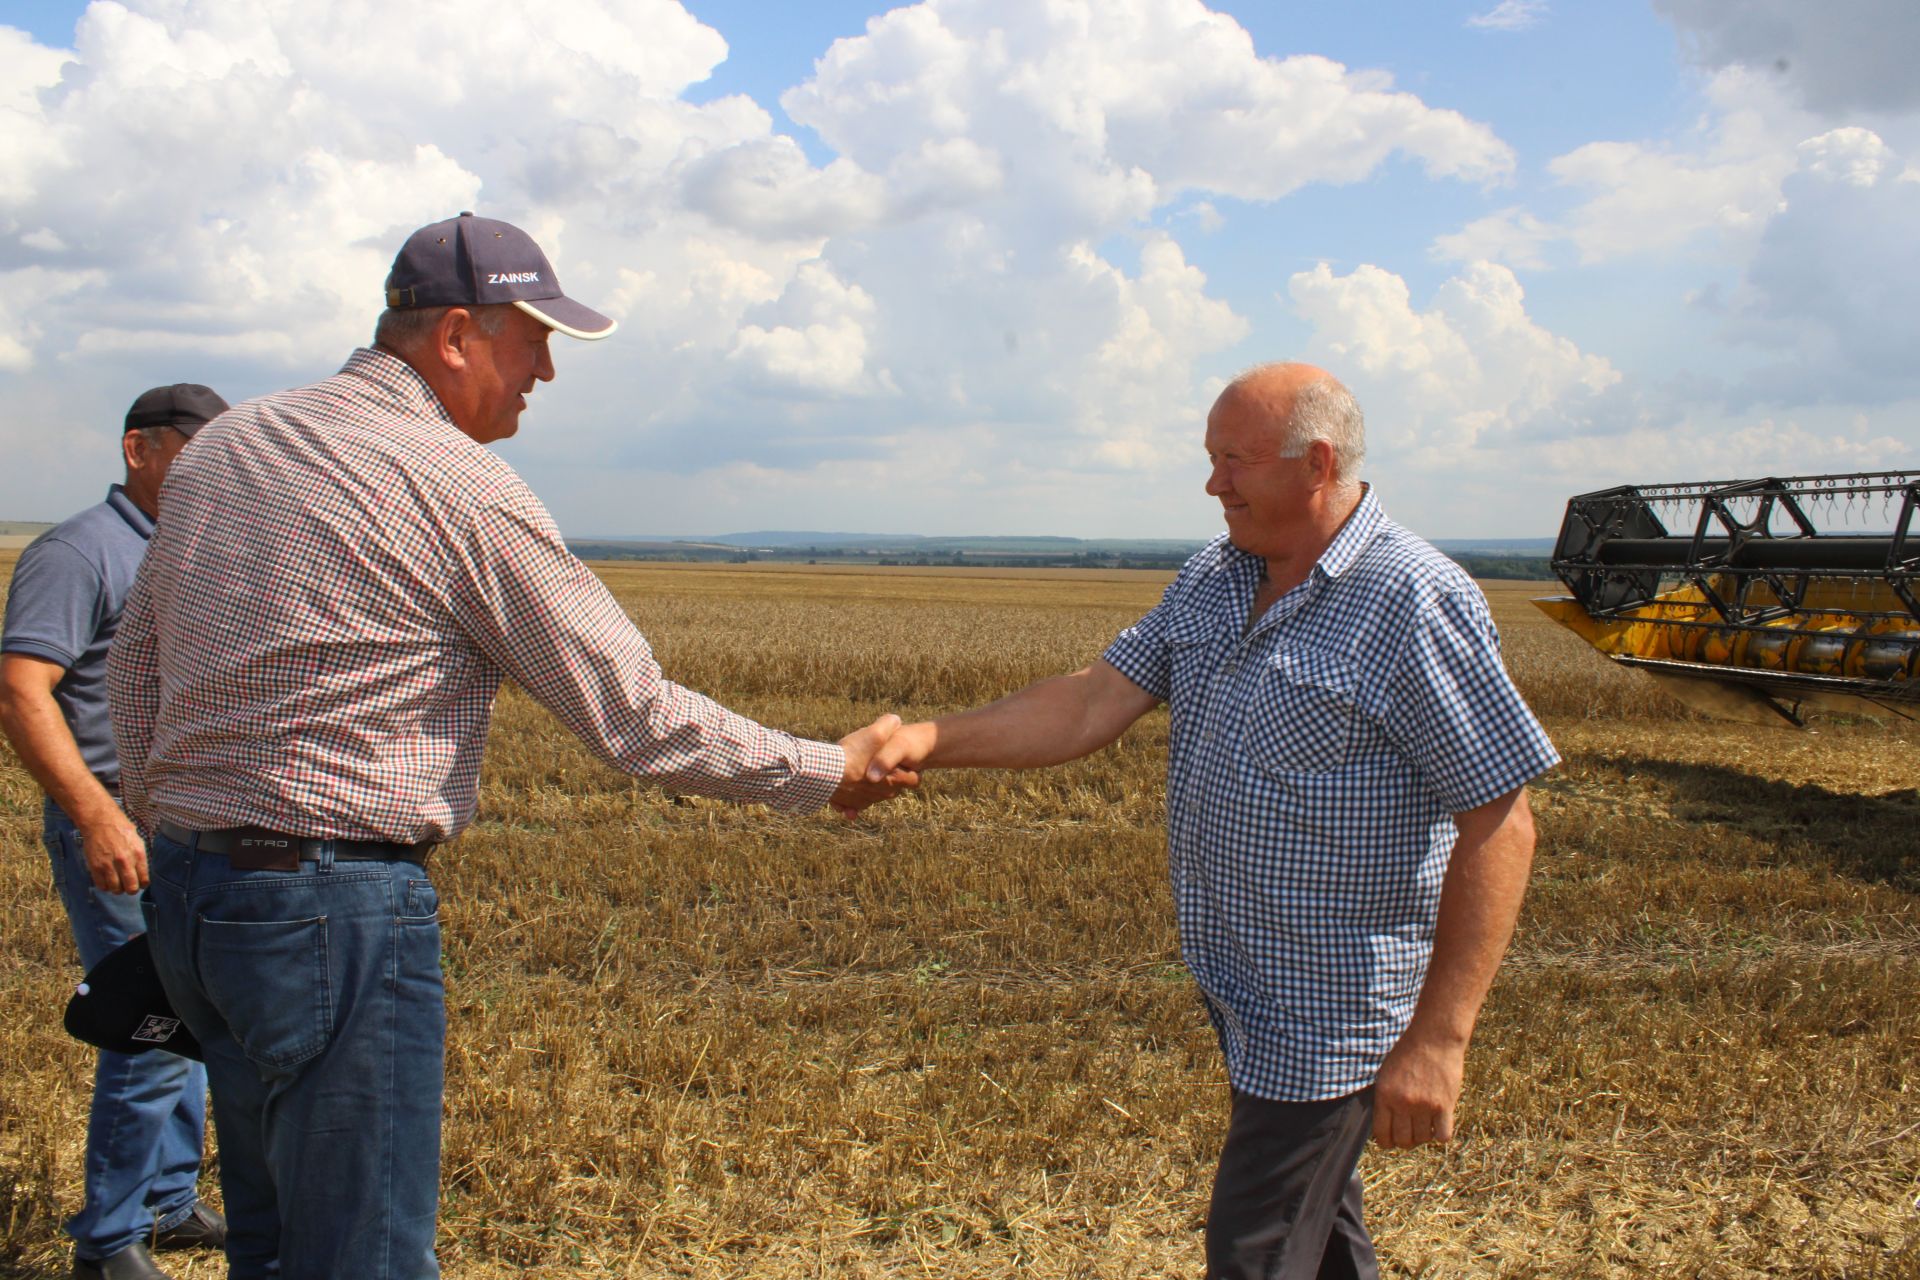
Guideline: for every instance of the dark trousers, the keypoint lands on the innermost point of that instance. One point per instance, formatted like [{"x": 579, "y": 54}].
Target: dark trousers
[{"x": 1286, "y": 1200}]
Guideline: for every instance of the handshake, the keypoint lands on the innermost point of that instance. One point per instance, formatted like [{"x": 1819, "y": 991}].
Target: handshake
[
  {"x": 1043, "y": 724},
  {"x": 883, "y": 760}
]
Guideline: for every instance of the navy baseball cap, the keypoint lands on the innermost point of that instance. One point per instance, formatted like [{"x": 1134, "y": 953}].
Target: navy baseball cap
[
  {"x": 122, "y": 1006},
  {"x": 184, "y": 406},
  {"x": 468, "y": 262}
]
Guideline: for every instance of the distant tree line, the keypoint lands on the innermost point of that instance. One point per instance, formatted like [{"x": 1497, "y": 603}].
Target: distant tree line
[
  {"x": 1528, "y": 568},
  {"x": 677, "y": 552},
  {"x": 1525, "y": 568}
]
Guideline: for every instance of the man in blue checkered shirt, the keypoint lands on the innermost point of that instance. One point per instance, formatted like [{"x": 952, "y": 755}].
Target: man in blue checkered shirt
[{"x": 1347, "y": 823}]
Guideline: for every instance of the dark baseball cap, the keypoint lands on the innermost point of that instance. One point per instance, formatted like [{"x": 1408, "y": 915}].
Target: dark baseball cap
[
  {"x": 122, "y": 1006},
  {"x": 469, "y": 262},
  {"x": 184, "y": 406}
]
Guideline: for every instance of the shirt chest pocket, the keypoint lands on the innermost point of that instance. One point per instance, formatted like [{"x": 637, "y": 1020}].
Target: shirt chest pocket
[
  {"x": 1304, "y": 716},
  {"x": 1196, "y": 645}
]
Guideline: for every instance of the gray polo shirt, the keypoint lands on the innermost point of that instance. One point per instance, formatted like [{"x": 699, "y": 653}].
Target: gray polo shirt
[{"x": 64, "y": 606}]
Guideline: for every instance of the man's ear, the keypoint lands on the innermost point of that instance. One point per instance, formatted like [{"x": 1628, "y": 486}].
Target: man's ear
[
  {"x": 134, "y": 448},
  {"x": 452, "y": 336},
  {"x": 1320, "y": 462}
]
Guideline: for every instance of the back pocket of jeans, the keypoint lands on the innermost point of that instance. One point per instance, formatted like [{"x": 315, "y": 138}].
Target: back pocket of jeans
[{"x": 268, "y": 979}]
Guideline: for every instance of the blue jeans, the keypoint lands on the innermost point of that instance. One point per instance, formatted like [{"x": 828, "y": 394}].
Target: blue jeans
[
  {"x": 149, "y": 1111},
  {"x": 316, "y": 996}
]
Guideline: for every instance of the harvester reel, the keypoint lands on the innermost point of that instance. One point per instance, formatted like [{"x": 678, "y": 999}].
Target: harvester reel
[{"x": 1762, "y": 612}]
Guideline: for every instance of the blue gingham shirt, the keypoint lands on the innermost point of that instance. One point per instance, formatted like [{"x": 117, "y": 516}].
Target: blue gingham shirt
[{"x": 1313, "y": 770}]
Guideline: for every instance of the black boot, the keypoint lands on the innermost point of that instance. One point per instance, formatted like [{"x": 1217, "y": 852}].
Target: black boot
[
  {"x": 131, "y": 1263},
  {"x": 204, "y": 1228}
]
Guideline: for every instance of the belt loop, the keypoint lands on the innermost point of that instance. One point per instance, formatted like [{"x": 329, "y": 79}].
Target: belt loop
[{"x": 323, "y": 857}]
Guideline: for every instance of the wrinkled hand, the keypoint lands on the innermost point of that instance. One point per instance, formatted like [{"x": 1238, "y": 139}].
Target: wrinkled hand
[
  {"x": 116, "y": 855},
  {"x": 908, "y": 748},
  {"x": 862, "y": 785},
  {"x": 1416, "y": 1091}
]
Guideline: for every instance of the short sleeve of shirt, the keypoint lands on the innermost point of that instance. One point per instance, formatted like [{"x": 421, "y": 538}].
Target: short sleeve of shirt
[
  {"x": 1455, "y": 713},
  {"x": 55, "y": 605},
  {"x": 1140, "y": 652}
]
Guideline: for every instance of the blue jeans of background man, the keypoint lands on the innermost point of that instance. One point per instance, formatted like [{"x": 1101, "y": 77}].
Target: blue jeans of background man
[
  {"x": 149, "y": 1109},
  {"x": 316, "y": 996}
]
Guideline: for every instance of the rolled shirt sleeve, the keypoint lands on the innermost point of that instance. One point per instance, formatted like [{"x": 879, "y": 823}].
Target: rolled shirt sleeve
[{"x": 537, "y": 611}]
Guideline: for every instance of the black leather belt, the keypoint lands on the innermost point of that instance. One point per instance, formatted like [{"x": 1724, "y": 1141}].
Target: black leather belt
[{"x": 252, "y": 849}]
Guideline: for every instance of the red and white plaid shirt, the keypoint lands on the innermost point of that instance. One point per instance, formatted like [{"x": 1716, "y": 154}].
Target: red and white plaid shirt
[{"x": 336, "y": 586}]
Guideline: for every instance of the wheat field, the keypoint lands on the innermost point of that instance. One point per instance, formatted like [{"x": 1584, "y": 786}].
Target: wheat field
[{"x": 955, "y": 1039}]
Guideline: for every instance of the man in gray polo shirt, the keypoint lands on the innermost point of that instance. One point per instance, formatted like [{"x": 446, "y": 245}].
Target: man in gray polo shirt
[{"x": 149, "y": 1110}]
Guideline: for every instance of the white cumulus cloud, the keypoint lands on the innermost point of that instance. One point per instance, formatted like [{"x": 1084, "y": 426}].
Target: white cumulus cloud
[
  {"x": 1708, "y": 189},
  {"x": 1482, "y": 420},
  {"x": 1106, "y": 109},
  {"x": 212, "y": 190},
  {"x": 1466, "y": 397},
  {"x": 1829, "y": 291},
  {"x": 24, "y": 295},
  {"x": 813, "y": 338},
  {"x": 1471, "y": 369},
  {"x": 1854, "y": 156},
  {"x": 1513, "y": 236},
  {"x": 1649, "y": 197}
]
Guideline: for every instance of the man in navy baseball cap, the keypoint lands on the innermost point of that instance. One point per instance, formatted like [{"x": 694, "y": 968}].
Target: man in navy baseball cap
[
  {"x": 146, "y": 1120},
  {"x": 349, "y": 577},
  {"x": 471, "y": 303},
  {"x": 184, "y": 406},
  {"x": 468, "y": 261}
]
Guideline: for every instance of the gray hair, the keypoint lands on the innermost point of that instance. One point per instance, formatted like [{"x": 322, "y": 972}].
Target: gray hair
[
  {"x": 399, "y": 328},
  {"x": 1326, "y": 410},
  {"x": 1322, "y": 409}
]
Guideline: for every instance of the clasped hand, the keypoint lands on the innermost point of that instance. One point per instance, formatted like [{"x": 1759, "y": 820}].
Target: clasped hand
[{"x": 862, "y": 785}]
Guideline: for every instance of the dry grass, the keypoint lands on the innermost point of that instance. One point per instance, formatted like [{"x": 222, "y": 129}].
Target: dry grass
[{"x": 955, "y": 1039}]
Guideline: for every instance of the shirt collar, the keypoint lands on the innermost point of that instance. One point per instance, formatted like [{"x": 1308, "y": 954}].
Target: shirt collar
[
  {"x": 398, "y": 379},
  {"x": 1340, "y": 554},
  {"x": 140, "y": 521},
  {"x": 1353, "y": 537}
]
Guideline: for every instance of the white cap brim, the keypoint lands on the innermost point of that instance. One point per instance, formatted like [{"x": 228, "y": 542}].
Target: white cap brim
[{"x": 564, "y": 315}]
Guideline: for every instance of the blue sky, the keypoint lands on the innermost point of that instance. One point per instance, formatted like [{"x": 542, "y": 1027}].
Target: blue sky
[{"x": 979, "y": 266}]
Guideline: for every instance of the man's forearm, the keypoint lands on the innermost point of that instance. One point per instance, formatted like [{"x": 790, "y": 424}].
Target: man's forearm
[
  {"x": 115, "y": 855},
  {"x": 45, "y": 745},
  {"x": 1419, "y": 1083},
  {"x": 1043, "y": 724}
]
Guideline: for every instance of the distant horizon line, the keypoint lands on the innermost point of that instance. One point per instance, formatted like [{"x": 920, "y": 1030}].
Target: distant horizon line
[
  {"x": 793, "y": 537},
  {"x": 788, "y": 536}
]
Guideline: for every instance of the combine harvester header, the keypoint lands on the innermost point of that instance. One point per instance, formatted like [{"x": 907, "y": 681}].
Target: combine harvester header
[{"x": 1753, "y": 599}]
